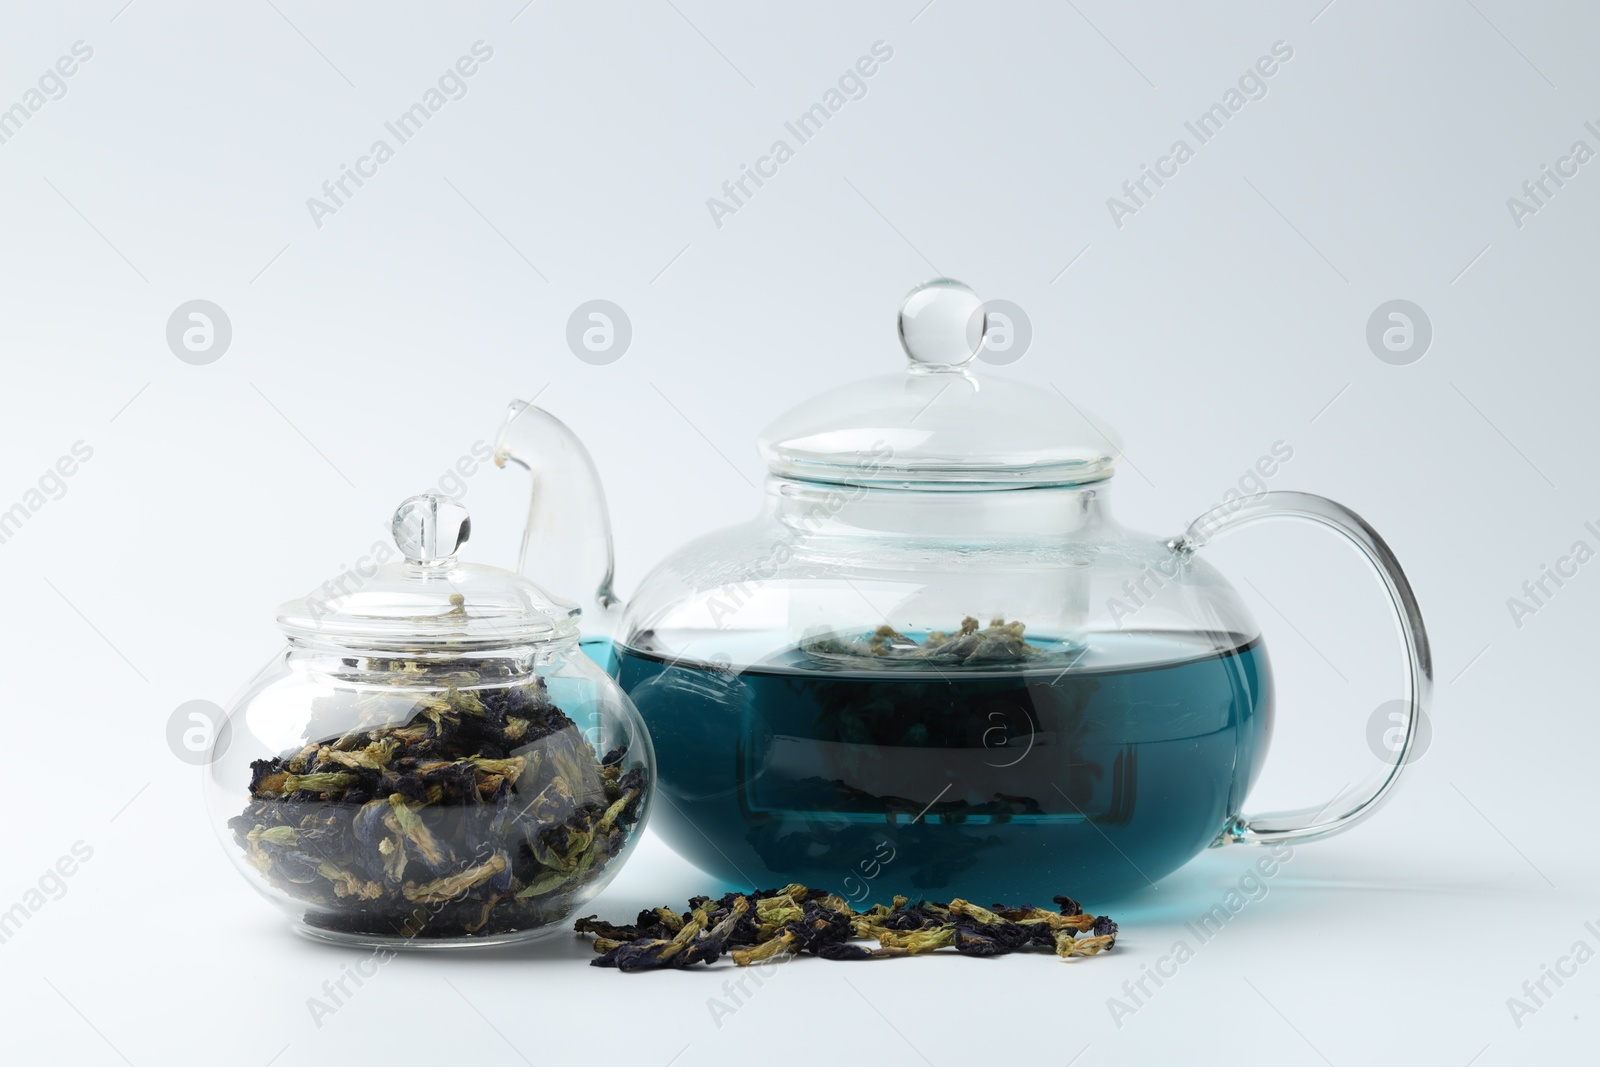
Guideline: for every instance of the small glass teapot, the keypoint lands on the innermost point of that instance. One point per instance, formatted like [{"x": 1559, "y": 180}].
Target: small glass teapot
[
  {"x": 934, "y": 663},
  {"x": 432, "y": 761}
]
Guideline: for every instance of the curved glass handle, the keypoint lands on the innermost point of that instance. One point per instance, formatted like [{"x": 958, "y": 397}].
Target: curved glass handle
[
  {"x": 1362, "y": 799},
  {"x": 566, "y": 543}
]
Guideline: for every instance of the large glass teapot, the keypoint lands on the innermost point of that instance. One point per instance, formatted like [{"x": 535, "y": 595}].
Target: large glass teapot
[{"x": 934, "y": 663}]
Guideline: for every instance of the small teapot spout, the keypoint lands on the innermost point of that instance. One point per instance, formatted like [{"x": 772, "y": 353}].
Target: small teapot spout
[{"x": 566, "y": 544}]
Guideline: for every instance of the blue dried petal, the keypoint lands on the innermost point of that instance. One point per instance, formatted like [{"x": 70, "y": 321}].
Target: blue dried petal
[{"x": 969, "y": 943}]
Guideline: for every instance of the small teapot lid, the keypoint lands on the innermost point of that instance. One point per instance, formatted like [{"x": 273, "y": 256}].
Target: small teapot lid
[
  {"x": 935, "y": 425},
  {"x": 428, "y": 600}
]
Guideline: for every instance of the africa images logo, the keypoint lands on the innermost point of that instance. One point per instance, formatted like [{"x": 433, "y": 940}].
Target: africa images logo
[
  {"x": 852, "y": 85},
  {"x": 52, "y": 85},
  {"x": 451, "y": 85},
  {"x": 1252, "y": 85}
]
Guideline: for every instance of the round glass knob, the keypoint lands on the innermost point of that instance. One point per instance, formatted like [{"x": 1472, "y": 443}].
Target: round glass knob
[
  {"x": 430, "y": 528},
  {"x": 942, "y": 324}
]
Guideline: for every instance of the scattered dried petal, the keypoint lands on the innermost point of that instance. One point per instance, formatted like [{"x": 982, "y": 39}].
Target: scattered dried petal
[{"x": 773, "y": 923}]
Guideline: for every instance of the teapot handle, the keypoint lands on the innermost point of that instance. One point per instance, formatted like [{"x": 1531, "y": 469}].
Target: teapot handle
[
  {"x": 566, "y": 543},
  {"x": 1361, "y": 800}
]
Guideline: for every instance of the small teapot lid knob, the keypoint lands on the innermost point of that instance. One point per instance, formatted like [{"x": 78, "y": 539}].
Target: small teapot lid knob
[
  {"x": 430, "y": 528},
  {"x": 942, "y": 323}
]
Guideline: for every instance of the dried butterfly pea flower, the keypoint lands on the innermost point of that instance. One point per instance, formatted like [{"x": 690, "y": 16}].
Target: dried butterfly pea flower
[
  {"x": 469, "y": 808},
  {"x": 999, "y": 642},
  {"x": 773, "y": 923},
  {"x": 698, "y": 939}
]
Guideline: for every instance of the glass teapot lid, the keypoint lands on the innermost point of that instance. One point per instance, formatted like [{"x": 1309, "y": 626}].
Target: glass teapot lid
[
  {"x": 937, "y": 426},
  {"x": 429, "y": 600}
]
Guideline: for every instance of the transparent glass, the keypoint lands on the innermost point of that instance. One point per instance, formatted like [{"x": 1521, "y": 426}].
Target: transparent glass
[
  {"x": 933, "y": 665},
  {"x": 430, "y": 800},
  {"x": 432, "y": 761}
]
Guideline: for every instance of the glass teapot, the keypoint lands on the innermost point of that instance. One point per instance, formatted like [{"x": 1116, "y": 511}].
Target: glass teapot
[
  {"x": 934, "y": 663},
  {"x": 432, "y": 761}
]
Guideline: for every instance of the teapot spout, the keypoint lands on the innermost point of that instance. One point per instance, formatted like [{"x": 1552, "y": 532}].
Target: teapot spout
[{"x": 566, "y": 544}]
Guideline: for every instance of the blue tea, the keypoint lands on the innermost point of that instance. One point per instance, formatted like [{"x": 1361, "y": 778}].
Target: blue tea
[{"x": 1013, "y": 782}]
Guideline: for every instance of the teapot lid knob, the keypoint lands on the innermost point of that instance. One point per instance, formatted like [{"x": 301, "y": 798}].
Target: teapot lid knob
[
  {"x": 942, "y": 323},
  {"x": 430, "y": 528}
]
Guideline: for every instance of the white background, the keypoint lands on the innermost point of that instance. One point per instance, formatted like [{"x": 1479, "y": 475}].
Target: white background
[{"x": 371, "y": 352}]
